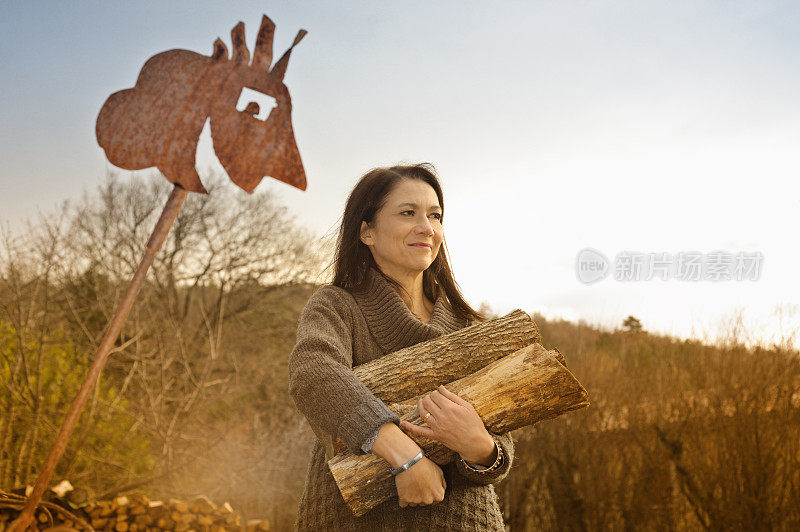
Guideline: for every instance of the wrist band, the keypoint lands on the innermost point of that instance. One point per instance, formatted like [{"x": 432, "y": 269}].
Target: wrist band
[
  {"x": 397, "y": 470},
  {"x": 494, "y": 467}
]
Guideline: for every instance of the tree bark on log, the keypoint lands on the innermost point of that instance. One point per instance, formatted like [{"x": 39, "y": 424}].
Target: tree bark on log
[
  {"x": 523, "y": 388},
  {"x": 424, "y": 366}
]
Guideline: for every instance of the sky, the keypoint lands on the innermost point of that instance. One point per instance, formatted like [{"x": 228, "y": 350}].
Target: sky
[{"x": 620, "y": 127}]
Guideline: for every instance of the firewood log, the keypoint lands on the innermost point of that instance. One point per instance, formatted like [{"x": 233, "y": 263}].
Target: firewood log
[
  {"x": 520, "y": 389},
  {"x": 424, "y": 366},
  {"x": 418, "y": 368}
]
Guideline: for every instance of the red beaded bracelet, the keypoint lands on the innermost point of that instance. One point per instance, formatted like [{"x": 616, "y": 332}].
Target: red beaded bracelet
[{"x": 494, "y": 467}]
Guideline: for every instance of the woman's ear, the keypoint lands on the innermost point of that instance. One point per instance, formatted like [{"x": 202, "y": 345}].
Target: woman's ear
[{"x": 366, "y": 234}]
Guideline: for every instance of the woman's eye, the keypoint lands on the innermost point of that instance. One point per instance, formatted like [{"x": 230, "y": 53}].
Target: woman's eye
[{"x": 436, "y": 215}]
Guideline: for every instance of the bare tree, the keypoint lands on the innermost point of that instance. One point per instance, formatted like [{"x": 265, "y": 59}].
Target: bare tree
[{"x": 59, "y": 282}]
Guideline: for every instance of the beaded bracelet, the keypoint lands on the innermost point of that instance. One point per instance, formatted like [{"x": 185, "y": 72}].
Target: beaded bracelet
[{"x": 494, "y": 467}]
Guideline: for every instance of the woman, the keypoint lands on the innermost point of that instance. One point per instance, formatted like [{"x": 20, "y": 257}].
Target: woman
[{"x": 392, "y": 288}]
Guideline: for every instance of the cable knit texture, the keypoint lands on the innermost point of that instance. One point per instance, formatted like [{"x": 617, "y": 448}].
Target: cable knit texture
[{"x": 337, "y": 331}]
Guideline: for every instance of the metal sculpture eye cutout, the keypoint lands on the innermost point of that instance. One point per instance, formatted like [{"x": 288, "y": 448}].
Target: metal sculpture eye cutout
[{"x": 256, "y": 104}]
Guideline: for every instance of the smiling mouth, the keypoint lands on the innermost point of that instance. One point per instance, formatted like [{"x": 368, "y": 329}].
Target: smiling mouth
[{"x": 422, "y": 246}]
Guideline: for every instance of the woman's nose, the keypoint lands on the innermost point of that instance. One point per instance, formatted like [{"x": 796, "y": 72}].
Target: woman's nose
[{"x": 426, "y": 227}]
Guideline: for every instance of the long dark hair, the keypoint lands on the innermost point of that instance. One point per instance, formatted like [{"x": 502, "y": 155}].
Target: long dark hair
[{"x": 352, "y": 257}]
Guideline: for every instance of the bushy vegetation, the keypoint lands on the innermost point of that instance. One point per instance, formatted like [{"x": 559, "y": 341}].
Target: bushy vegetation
[
  {"x": 680, "y": 435},
  {"x": 188, "y": 394}
]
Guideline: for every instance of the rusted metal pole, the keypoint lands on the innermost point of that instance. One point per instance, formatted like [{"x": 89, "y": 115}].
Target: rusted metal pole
[{"x": 157, "y": 237}]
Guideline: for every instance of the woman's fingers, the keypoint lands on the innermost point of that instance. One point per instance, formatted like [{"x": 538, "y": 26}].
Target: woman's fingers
[
  {"x": 438, "y": 399},
  {"x": 429, "y": 406},
  {"x": 453, "y": 397},
  {"x": 421, "y": 408},
  {"x": 421, "y": 485},
  {"x": 416, "y": 430},
  {"x": 423, "y": 412}
]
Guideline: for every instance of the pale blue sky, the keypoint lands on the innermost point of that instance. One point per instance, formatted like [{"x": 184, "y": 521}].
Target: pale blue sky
[{"x": 647, "y": 126}]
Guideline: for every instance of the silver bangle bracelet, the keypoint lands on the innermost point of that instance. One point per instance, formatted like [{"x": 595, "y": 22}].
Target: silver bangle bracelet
[{"x": 397, "y": 470}]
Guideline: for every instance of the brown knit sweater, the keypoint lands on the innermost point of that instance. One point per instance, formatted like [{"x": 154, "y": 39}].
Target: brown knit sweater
[{"x": 339, "y": 330}]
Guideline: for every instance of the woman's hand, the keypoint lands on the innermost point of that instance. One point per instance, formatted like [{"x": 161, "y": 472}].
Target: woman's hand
[
  {"x": 421, "y": 484},
  {"x": 454, "y": 423}
]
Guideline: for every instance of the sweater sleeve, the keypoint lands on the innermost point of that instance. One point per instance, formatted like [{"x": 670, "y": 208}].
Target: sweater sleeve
[
  {"x": 367, "y": 445},
  {"x": 495, "y": 477},
  {"x": 321, "y": 380}
]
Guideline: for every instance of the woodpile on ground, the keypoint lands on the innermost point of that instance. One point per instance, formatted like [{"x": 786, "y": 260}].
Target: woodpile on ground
[{"x": 64, "y": 509}]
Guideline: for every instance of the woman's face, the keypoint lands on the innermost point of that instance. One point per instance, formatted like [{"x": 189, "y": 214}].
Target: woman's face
[{"x": 406, "y": 234}]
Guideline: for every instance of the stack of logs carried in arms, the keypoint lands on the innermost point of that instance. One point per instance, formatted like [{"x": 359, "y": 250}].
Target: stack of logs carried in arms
[{"x": 499, "y": 366}]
